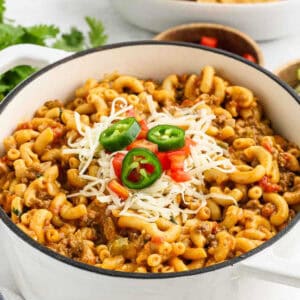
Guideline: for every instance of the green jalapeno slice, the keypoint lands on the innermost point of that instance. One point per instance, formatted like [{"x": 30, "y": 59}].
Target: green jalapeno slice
[
  {"x": 140, "y": 168},
  {"x": 167, "y": 137},
  {"x": 120, "y": 135}
]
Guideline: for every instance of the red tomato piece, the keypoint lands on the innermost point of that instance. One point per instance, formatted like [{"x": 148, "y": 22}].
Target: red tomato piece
[
  {"x": 158, "y": 240},
  {"x": 250, "y": 57},
  {"x": 176, "y": 171},
  {"x": 117, "y": 164},
  {"x": 164, "y": 160},
  {"x": 187, "y": 147},
  {"x": 143, "y": 144},
  {"x": 130, "y": 113},
  {"x": 209, "y": 41},
  {"x": 118, "y": 189},
  {"x": 144, "y": 130},
  {"x": 4, "y": 159},
  {"x": 268, "y": 186},
  {"x": 176, "y": 159},
  {"x": 25, "y": 125},
  {"x": 58, "y": 133},
  {"x": 179, "y": 175}
]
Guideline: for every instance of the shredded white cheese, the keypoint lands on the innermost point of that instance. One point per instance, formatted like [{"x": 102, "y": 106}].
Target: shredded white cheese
[{"x": 160, "y": 199}]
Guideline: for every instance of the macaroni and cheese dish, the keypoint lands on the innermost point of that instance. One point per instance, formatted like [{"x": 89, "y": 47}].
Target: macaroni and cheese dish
[
  {"x": 138, "y": 175},
  {"x": 233, "y": 1}
]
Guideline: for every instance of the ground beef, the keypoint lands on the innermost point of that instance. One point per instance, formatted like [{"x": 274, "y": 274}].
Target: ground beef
[
  {"x": 286, "y": 180},
  {"x": 251, "y": 128}
]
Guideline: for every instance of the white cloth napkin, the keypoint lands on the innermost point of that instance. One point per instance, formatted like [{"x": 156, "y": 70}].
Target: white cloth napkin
[{"x": 6, "y": 294}]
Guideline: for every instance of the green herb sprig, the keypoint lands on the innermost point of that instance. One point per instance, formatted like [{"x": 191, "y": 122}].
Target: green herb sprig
[{"x": 44, "y": 35}]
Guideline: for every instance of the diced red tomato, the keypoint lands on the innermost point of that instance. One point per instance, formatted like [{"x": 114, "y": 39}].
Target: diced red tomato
[
  {"x": 267, "y": 146},
  {"x": 209, "y": 41},
  {"x": 187, "y": 103},
  {"x": 176, "y": 171},
  {"x": 250, "y": 57},
  {"x": 58, "y": 133},
  {"x": 164, "y": 160},
  {"x": 117, "y": 164},
  {"x": 179, "y": 175},
  {"x": 143, "y": 144},
  {"x": 158, "y": 240},
  {"x": 118, "y": 189},
  {"x": 4, "y": 159},
  {"x": 176, "y": 159},
  {"x": 268, "y": 186},
  {"x": 187, "y": 147},
  {"x": 25, "y": 125},
  {"x": 144, "y": 129},
  {"x": 130, "y": 113}
]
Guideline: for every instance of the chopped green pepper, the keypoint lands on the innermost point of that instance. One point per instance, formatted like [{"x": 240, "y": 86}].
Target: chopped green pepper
[
  {"x": 167, "y": 137},
  {"x": 140, "y": 168},
  {"x": 120, "y": 135}
]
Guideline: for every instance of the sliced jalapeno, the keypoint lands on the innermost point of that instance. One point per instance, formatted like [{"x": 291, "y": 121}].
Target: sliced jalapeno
[
  {"x": 140, "y": 168},
  {"x": 120, "y": 135},
  {"x": 167, "y": 137}
]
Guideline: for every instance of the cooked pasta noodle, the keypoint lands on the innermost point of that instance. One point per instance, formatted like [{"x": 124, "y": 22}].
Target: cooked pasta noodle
[{"x": 241, "y": 186}]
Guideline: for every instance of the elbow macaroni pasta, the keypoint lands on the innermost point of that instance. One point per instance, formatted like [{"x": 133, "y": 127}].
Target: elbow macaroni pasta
[{"x": 259, "y": 198}]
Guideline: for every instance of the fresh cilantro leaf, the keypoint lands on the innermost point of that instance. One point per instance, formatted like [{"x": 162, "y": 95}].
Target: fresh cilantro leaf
[
  {"x": 97, "y": 36},
  {"x": 72, "y": 41},
  {"x": 2, "y": 10},
  {"x": 12, "y": 78},
  {"x": 16, "y": 212},
  {"x": 38, "y": 34},
  {"x": 10, "y": 35}
]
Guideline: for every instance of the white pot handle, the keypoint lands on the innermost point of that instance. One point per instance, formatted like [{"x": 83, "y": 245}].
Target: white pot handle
[
  {"x": 28, "y": 54},
  {"x": 280, "y": 262}
]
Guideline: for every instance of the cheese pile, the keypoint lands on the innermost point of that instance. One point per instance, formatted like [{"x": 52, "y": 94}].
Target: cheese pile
[{"x": 160, "y": 199}]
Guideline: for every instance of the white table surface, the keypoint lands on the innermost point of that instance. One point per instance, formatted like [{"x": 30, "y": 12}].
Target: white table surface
[{"x": 66, "y": 13}]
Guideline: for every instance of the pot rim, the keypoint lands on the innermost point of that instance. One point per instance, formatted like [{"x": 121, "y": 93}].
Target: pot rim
[{"x": 8, "y": 222}]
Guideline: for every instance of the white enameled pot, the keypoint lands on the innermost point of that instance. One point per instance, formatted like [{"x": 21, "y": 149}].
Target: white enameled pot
[
  {"x": 41, "y": 274},
  {"x": 262, "y": 21}
]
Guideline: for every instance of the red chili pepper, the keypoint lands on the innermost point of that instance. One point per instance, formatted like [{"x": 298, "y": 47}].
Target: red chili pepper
[
  {"x": 118, "y": 189},
  {"x": 268, "y": 186},
  {"x": 209, "y": 41},
  {"x": 117, "y": 164},
  {"x": 144, "y": 130},
  {"x": 143, "y": 144},
  {"x": 267, "y": 146},
  {"x": 250, "y": 57}
]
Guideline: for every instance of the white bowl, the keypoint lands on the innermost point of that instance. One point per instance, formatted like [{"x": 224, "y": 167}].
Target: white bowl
[
  {"x": 41, "y": 274},
  {"x": 262, "y": 21}
]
